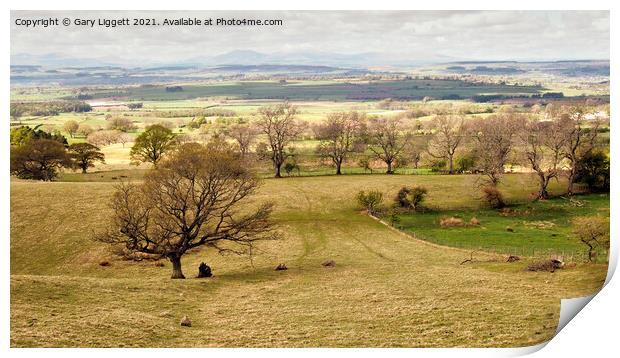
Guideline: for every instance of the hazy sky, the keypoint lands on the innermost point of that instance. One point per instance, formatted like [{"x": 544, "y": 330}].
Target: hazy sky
[{"x": 479, "y": 35}]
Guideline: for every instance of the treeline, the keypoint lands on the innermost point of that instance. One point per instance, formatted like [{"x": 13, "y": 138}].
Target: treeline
[
  {"x": 39, "y": 155},
  {"x": 558, "y": 141},
  {"x": 48, "y": 108},
  {"x": 499, "y": 97},
  {"x": 198, "y": 112}
]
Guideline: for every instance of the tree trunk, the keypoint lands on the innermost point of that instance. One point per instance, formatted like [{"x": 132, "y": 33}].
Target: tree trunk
[
  {"x": 450, "y": 165},
  {"x": 543, "y": 182},
  {"x": 543, "y": 194},
  {"x": 338, "y": 165},
  {"x": 278, "y": 175},
  {"x": 176, "y": 267},
  {"x": 571, "y": 182},
  {"x": 389, "y": 168}
]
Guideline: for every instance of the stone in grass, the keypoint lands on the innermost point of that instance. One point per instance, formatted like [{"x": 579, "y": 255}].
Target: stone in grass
[
  {"x": 329, "y": 263},
  {"x": 281, "y": 267},
  {"x": 513, "y": 258},
  {"x": 186, "y": 322}
]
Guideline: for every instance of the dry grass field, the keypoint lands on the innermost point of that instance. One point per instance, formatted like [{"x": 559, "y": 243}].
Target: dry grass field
[{"x": 387, "y": 289}]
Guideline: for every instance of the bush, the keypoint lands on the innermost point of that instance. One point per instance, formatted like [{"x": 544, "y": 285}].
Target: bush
[
  {"x": 369, "y": 200},
  {"x": 593, "y": 170},
  {"x": 365, "y": 164},
  {"x": 465, "y": 164},
  {"x": 289, "y": 167},
  {"x": 439, "y": 166},
  {"x": 493, "y": 197},
  {"x": 410, "y": 197}
]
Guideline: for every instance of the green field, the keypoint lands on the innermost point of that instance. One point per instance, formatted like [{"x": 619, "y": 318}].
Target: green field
[
  {"x": 311, "y": 91},
  {"x": 532, "y": 229},
  {"x": 387, "y": 289}
]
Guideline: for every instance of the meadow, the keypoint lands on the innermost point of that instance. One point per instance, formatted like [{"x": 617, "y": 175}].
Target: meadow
[{"x": 387, "y": 289}]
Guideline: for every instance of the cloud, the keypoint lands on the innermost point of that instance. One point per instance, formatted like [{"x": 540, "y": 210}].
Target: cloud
[{"x": 492, "y": 35}]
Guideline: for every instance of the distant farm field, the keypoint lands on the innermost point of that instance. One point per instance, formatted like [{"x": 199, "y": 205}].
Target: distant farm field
[
  {"x": 387, "y": 289},
  {"x": 327, "y": 91}
]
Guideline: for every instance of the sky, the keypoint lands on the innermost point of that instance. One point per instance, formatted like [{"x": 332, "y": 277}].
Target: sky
[{"x": 432, "y": 36}]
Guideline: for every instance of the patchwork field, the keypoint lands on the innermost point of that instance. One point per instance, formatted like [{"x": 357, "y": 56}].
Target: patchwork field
[
  {"x": 387, "y": 289},
  {"x": 332, "y": 90}
]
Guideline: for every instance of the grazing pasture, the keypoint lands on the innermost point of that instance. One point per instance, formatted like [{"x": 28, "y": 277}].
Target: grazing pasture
[
  {"x": 387, "y": 288},
  {"x": 528, "y": 228}
]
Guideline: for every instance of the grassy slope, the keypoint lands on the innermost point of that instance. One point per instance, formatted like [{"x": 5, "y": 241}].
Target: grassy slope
[{"x": 387, "y": 289}]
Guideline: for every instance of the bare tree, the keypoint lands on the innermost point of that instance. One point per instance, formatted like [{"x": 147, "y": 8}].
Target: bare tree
[
  {"x": 450, "y": 132},
  {"x": 104, "y": 137},
  {"x": 122, "y": 124},
  {"x": 124, "y": 138},
  {"x": 494, "y": 140},
  {"x": 244, "y": 134},
  {"x": 387, "y": 138},
  {"x": 71, "y": 127},
  {"x": 543, "y": 143},
  {"x": 593, "y": 231},
  {"x": 278, "y": 123},
  {"x": 84, "y": 130},
  {"x": 415, "y": 148},
  {"x": 339, "y": 136},
  {"x": 197, "y": 196},
  {"x": 579, "y": 140}
]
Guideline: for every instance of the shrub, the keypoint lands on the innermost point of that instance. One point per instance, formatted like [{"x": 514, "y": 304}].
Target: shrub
[
  {"x": 410, "y": 197},
  {"x": 289, "y": 167},
  {"x": 369, "y": 200},
  {"x": 439, "y": 166},
  {"x": 593, "y": 170},
  {"x": 493, "y": 197},
  {"x": 465, "y": 164},
  {"x": 364, "y": 163}
]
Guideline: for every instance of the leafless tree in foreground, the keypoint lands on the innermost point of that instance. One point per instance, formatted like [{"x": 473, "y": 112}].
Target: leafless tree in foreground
[
  {"x": 197, "y": 196},
  {"x": 387, "y": 139},
  {"x": 339, "y": 136},
  {"x": 450, "y": 132},
  {"x": 278, "y": 123}
]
